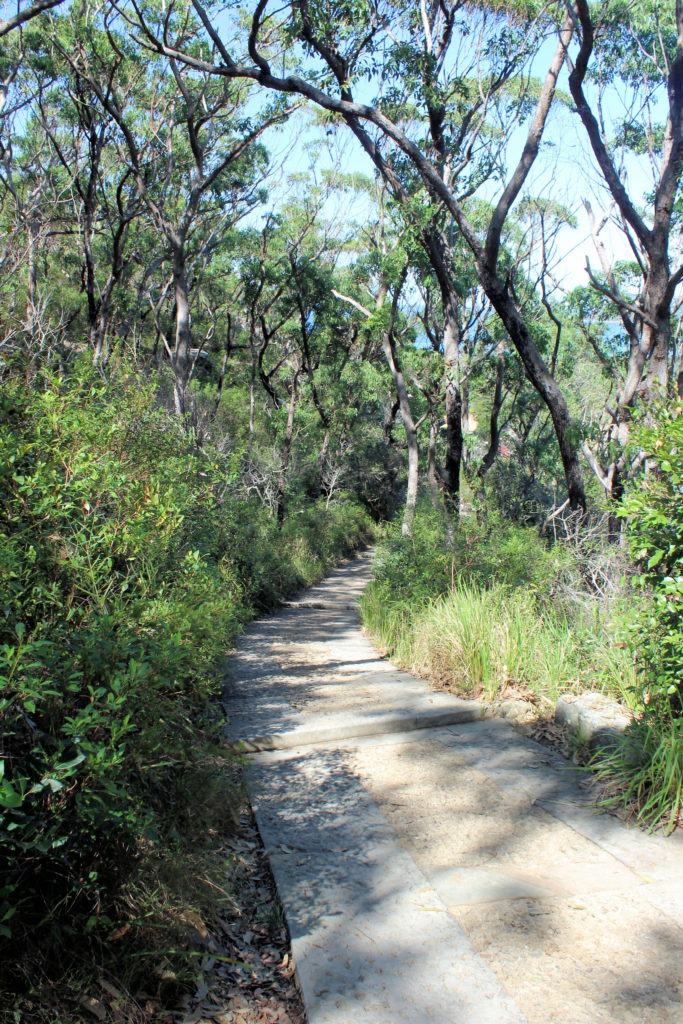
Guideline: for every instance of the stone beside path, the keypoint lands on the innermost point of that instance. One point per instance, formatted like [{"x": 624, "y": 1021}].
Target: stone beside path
[
  {"x": 434, "y": 865},
  {"x": 593, "y": 718}
]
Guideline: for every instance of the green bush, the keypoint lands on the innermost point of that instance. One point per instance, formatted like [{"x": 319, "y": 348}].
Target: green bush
[
  {"x": 424, "y": 566},
  {"x": 655, "y": 528},
  {"x": 109, "y": 628},
  {"x": 128, "y": 562},
  {"x": 644, "y": 774},
  {"x": 489, "y": 610}
]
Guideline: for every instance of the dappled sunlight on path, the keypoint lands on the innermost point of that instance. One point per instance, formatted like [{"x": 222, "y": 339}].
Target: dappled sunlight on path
[{"x": 434, "y": 865}]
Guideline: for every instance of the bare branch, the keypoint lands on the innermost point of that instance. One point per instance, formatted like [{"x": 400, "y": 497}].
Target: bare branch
[
  {"x": 352, "y": 302},
  {"x": 530, "y": 151},
  {"x": 27, "y": 14},
  {"x": 609, "y": 171}
]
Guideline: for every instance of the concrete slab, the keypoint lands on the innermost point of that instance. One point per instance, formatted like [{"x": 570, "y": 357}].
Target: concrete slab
[
  {"x": 372, "y": 940},
  {"x": 431, "y": 872},
  {"x": 316, "y": 729}
]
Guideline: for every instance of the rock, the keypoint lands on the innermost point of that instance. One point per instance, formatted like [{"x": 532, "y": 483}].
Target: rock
[
  {"x": 599, "y": 720},
  {"x": 515, "y": 710}
]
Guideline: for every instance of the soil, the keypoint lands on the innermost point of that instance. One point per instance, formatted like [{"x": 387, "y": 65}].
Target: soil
[{"x": 249, "y": 971}]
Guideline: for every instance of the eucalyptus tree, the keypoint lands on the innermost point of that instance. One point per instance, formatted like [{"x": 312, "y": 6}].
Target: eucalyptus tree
[
  {"x": 26, "y": 14},
  {"x": 456, "y": 69},
  {"x": 632, "y": 55},
  {"x": 299, "y": 346},
  {"x": 189, "y": 145},
  {"x": 81, "y": 133},
  {"x": 34, "y": 201},
  {"x": 375, "y": 291},
  {"x": 27, "y": 183}
]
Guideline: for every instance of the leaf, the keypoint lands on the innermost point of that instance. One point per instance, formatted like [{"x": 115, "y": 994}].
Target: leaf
[
  {"x": 95, "y": 1006},
  {"x": 9, "y": 796}
]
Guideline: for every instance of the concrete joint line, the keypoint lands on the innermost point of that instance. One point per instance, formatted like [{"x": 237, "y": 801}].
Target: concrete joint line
[
  {"x": 379, "y": 726},
  {"x": 335, "y": 606}
]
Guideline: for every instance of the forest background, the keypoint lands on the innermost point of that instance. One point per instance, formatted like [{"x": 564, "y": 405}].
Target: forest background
[{"x": 277, "y": 280}]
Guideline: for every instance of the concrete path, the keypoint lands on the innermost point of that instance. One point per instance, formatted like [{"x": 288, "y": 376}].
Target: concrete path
[{"x": 434, "y": 865}]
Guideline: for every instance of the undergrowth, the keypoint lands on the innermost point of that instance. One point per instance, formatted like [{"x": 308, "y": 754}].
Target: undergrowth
[
  {"x": 495, "y": 609},
  {"x": 645, "y": 775},
  {"x": 129, "y": 560}
]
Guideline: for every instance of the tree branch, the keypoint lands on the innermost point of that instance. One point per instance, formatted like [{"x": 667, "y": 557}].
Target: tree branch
[
  {"x": 576, "y": 79},
  {"x": 27, "y": 14},
  {"x": 531, "y": 145}
]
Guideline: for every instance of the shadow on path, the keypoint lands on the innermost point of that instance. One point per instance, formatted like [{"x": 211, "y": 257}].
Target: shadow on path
[{"x": 452, "y": 874}]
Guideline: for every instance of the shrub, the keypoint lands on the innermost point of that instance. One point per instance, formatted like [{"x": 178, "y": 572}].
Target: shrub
[
  {"x": 655, "y": 528},
  {"x": 128, "y": 562},
  {"x": 490, "y": 610},
  {"x": 111, "y": 621},
  {"x": 645, "y": 773},
  {"x": 481, "y": 554}
]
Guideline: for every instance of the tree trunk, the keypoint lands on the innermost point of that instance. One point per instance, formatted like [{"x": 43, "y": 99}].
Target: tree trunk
[
  {"x": 322, "y": 459},
  {"x": 181, "y": 353},
  {"x": 410, "y": 429},
  {"x": 252, "y": 401},
  {"x": 105, "y": 298},
  {"x": 432, "y": 475},
  {"x": 544, "y": 382},
  {"x": 454, "y": 440},
  {"x": 287, "y": 449},
  {"x": 413, "y": 471},
  {"x": 494, "y": 431},
  {"x": 657, "y": 338},
  {"x": 31, "y": 280}
]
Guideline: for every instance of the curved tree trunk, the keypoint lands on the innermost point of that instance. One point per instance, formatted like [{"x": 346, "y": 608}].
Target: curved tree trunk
[{"x": 543, "y": 381}]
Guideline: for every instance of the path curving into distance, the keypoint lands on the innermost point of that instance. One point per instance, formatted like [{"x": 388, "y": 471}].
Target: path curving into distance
[{"x": 434, "y": 865}]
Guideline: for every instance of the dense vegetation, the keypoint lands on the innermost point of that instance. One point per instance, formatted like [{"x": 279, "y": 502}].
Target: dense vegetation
[
  {"x": 501, "y": 610},
  {"x": 233, "y": 350},
  {"x": 130, "y": 559}
]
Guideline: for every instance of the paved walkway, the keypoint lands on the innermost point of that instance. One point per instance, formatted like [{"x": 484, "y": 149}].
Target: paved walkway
[{"x": 435, "y": 866}]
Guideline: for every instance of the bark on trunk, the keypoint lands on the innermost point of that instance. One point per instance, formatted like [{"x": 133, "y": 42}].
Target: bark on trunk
[
  {"x": 181, "y": 352},
  {"x": 252, "y": 401},
  {"x": 410, "y": 429},
  {"x": 286, "y": 450},
  {"x": 544, "y": 383},
  {"x": 322, "y": 460},
  {"x": 432, "y": 474},
  {"x": 32, "y": 280},
  {"x": 494, "y": 433},
  {"x": 454, "y": 440}
]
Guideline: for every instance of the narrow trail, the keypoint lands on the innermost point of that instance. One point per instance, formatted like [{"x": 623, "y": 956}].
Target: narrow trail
[{"x": 434, "y": 865}]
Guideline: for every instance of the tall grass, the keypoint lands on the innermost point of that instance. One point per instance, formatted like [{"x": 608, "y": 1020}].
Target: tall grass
[
  {"x": 496, "y": 608},
  {"x": 644, "y": 774},
  {"x": 481, "y": 640}
]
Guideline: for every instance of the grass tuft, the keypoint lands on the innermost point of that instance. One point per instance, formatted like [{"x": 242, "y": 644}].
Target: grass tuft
[
  {"x": 644, "y": 773},
  {"x": 480, "y": 641}
]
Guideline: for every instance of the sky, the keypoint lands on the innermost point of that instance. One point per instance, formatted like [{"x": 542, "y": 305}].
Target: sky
[{"x": 565, "y": 171}]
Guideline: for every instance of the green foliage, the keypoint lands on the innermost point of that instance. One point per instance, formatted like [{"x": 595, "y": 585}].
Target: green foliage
[
  {"x": 655, "y": 528},
  {"x": 128, "y": 562},
  {"x": 645, "y": 772},
  {"x": 487, "y": 612},
  {"x": 480, "y": 554}
]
